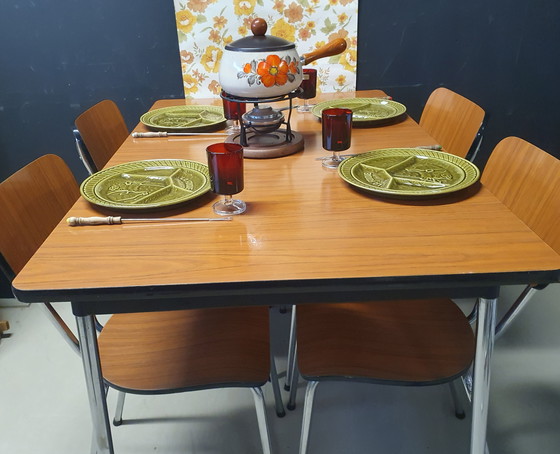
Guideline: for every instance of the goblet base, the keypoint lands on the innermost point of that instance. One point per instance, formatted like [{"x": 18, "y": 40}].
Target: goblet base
[
  {"x": 332, "y": 162},
  {"x": 305, "y": 108},
  {"x": 229, "y": 207},
  {"x": 233, "y": 129}
]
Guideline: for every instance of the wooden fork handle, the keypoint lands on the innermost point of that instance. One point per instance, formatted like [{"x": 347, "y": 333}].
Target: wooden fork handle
[{"x": 94, "y": 220}]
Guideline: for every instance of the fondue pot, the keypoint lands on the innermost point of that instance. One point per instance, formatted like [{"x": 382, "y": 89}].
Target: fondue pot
[{"x": 265, "y": 66}]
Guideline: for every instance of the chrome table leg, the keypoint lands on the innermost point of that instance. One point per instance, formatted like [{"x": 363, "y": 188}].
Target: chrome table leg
[
  {"x": 260, "y": 407},
  {"x": 481, "y": 373},
  {"x": 291, "y": 350},
  {"x": 102, "y": 442},
  {"x": 307, "y": 410}
]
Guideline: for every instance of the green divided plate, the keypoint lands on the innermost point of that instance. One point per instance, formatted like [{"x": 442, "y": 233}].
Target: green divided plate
[
  {"x": 144, "y": 185},
  {"x": 191, "y": 118},
  {"x": 365, "y": 110},
  {"x": 408, "y": 172}
]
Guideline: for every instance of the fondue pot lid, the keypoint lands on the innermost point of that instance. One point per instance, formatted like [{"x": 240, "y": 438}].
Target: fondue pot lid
[{"x": 260, "y": 42}]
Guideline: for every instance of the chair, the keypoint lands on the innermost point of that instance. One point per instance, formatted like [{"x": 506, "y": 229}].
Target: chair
[
  {"x": 101, "y": 130},
  {"x": 454, "y": 121},
  {"x": 143, "y": 353},
  {"x": 524, "y": 175},
  {"x": 422, "y": 342},
  {"x": 457, "y": 124}
]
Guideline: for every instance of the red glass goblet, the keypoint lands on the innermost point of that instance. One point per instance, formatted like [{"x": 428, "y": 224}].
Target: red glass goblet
[
  {"x": 233, "y": 111},
  {"x": 225, "y": 163},
  {"x": 309, "y": 86},
  {"x": 337, "y": 132}
]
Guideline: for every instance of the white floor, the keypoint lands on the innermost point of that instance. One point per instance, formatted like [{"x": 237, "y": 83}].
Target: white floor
[{"x": 43, "y": 407}]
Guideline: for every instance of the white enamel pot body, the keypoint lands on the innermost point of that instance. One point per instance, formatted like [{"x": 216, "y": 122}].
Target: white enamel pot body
[
  {"x": 260, "y": 74},
  {"x": 265, "y": 66}
]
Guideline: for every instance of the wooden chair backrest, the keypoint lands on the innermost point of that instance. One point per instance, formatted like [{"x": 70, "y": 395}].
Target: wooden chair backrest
[
  {"x": 453, "y": 120},
  {"x": 527, "y": 180},
  {"x": 32, "y": 202},
  {"x": 103, "y": 131}
]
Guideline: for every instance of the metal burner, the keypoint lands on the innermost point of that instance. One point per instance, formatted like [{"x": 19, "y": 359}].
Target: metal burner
[
  {"x": 261, "y": 134},
  {"x": 263, "y": 119}
]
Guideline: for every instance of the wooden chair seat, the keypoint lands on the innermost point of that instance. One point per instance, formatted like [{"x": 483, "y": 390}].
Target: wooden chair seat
[
  {"x": 185, "y": 350},
  {"x": 391, "y": 342}
]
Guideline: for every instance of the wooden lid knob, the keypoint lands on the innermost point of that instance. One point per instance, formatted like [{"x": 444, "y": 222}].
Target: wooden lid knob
[{"x": 259, "y": 26}]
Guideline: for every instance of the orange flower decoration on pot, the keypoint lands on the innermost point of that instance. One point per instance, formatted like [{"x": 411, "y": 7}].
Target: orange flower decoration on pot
[{"x": 273, "y": 71}]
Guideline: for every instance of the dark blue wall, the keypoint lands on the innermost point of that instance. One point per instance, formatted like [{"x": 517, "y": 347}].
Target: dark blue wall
[
  {"x": 59, "y": 57},
  {"x": 502, "y": 54}
]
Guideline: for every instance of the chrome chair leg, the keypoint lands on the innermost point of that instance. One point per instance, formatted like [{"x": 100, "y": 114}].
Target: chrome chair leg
[
  {"x": 515, "y": 309},
  {"x": 294, "y": 382},
  {"x": 102, "y": 442},
  {"x": 278, "y": 404},
  {"x": 455, "y": 395},
  {"x": 307, "y": 409},
  {"x": 481, "y": 373},
  {"x": 291, "y": 350},
  {"x": 117, "y": 420},
  {"x": 61, "y": 327},
  {"x": 473, "y": 315},
  {"x": 260, "y": 408}
]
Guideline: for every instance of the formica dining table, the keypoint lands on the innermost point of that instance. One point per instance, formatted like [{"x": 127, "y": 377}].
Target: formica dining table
[{"x": 307, "y": 236}]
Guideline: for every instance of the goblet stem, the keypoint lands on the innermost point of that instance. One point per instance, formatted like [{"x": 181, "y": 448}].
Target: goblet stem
[
  {"x": 307, "y": 106},
  {"x": 234, "y": 127}
]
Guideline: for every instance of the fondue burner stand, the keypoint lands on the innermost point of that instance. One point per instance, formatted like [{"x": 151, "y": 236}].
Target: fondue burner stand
[{"x": 261, "y": 135}]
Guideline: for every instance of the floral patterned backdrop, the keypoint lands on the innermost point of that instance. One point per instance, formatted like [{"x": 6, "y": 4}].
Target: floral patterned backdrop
[{"x": 204, "y": 27}]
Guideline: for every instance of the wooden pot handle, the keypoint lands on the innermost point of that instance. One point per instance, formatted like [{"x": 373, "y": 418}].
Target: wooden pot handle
[{"x": 335, "y": 47}]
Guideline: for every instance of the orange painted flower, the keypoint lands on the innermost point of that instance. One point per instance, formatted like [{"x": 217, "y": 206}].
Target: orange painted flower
[
  {"x": 247, "y": 68},
  {"x": 273, "y": 71}
]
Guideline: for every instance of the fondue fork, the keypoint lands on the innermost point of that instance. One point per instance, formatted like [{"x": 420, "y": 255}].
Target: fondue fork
[
  {"x": 110, "y": 220},
  {"x": 139, "y": 135}
]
